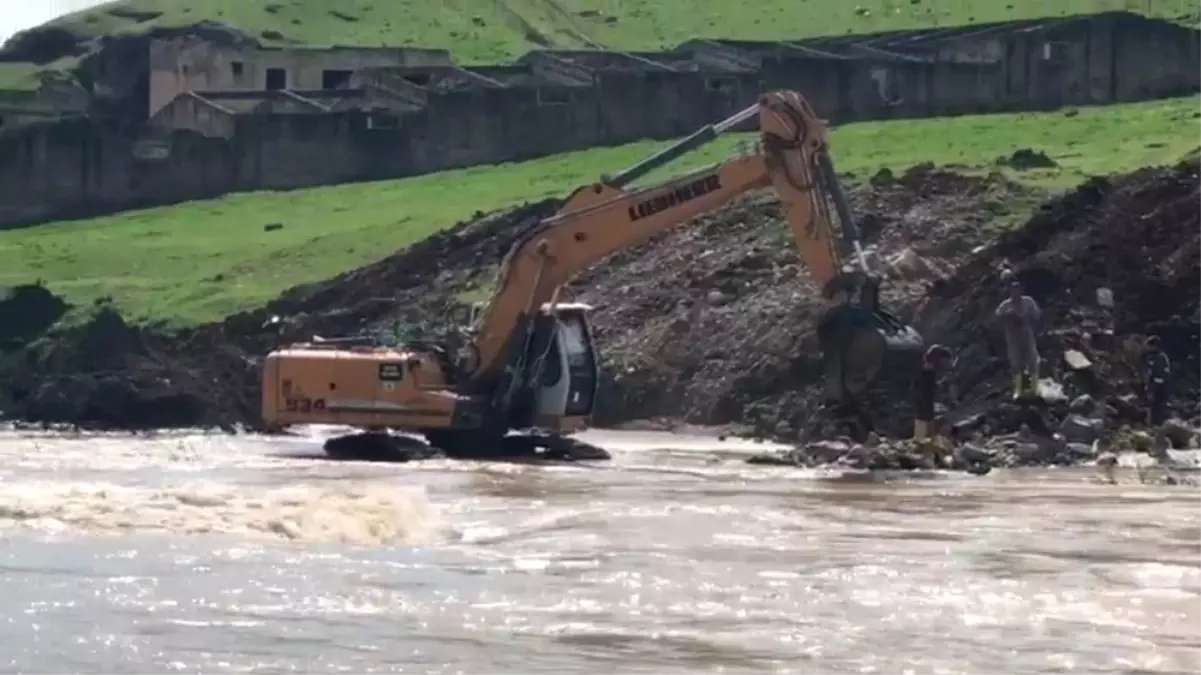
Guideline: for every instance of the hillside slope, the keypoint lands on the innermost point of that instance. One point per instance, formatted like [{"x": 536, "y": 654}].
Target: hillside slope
[
  {"x": 502, "y": 29},
  {"x": 202, "y": 260}
]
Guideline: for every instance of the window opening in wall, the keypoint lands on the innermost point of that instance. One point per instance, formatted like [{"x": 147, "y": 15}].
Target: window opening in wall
[
  {"x": 236, "y": 68},
  {"x": 553, "y": 97},
  {"x": 1055, "y": 52},
  {"x": 334, "y": 79},
  {"x": 379, "y": 121},
  {"x": 719, "y": 84},
  {"x": 419, "y": 79},
  {"x": 277, "y": 78}
]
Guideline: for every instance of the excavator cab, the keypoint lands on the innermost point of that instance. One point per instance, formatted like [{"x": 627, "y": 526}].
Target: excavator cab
[
  {"x": 562, "y": 363},
  {"x": 564, "y": 369}
]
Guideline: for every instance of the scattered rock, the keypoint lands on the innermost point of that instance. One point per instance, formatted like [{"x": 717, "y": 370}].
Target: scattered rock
[
  {"x": 1079, "y": 429},
  {"x": 1083, "y": 405},
  {"x": 1179, "y": 434}
]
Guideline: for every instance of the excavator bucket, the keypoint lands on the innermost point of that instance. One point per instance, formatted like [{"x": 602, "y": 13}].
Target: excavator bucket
[{"x": 863, "y": 347}]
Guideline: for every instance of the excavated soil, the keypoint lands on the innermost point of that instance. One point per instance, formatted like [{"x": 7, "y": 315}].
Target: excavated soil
[{"x": 712, "y": 323}]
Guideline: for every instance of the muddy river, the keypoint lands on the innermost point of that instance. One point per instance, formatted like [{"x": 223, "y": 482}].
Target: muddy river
[{"x": 196, "y": 553}]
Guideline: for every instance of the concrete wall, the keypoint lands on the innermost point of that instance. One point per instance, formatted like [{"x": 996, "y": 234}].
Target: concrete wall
[{"x": 422, "y": 115}]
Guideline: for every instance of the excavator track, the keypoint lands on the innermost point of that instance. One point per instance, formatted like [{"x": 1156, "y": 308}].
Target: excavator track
[
  {"x": 377, "y": 446},
  {"x": 478, "y": 445},
  {"x": 381, "y": 446}
]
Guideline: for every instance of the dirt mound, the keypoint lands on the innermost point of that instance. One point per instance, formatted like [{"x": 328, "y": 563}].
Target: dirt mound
[
  {"x": 27, "y": 311},
  {"x": 1026, "y": 159},
  {"x": 104, "y": 374},
  {"x": 713, "y": 323},
  {"x": 1139, "y": 236}
]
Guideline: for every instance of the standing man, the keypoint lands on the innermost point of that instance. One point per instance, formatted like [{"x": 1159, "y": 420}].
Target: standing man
[
  {"x": 1019, "y": 316},
  {"x": 1156, "y": 369},
  {"x": 938, "y": 359}
]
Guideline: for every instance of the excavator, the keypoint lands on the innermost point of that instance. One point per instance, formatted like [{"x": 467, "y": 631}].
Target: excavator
[{"x": 523, "y": 379}]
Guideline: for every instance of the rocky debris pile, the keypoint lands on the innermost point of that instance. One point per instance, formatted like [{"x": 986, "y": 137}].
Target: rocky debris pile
[
  {"x": 1139, "y": 237},
  {"x": 878, "y": 455},
  {"x": 1136, "y": 235},
  {"x": 1079, "y": 441},
  {"x": 104, "y": 374},
  {"x": 714, "y": 322}
]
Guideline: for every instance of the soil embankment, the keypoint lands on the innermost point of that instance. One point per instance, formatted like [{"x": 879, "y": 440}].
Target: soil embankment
[{"x": 712, "y": 323}]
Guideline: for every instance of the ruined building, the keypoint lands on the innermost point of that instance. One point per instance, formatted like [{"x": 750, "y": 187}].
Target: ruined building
[{"x": 203, "y": 117}]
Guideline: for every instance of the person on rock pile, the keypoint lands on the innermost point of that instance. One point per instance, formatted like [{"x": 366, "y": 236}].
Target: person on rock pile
[
  {"x": 1019, "y": 316},
  {"x": 1156, "y": 369},
  {"x": 937, "y": 361}
]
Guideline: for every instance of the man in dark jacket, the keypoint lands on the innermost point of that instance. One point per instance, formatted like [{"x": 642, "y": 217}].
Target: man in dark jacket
[
  {"x": 1156, "y": 370},
  {"x": 938, "y": 360}
]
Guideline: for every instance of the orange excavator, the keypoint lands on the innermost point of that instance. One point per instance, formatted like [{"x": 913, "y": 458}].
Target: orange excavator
[{"x": 525, "y": 378}]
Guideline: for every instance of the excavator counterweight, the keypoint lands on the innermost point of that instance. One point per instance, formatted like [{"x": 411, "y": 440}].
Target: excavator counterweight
[{"x": 530, "y": 364}]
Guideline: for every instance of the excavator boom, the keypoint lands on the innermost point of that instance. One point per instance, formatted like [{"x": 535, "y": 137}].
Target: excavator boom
[{"x": 601, "y": 219}]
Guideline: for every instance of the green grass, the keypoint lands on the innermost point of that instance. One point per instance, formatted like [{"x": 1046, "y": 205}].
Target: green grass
[
  {"x": 202, "y": 260},
  {"x": 487, "y": 31},
  {"x": 20, "y": 76}
]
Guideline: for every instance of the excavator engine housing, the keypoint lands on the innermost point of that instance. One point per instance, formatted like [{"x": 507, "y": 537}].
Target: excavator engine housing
[{"x": 408, "y": 388}]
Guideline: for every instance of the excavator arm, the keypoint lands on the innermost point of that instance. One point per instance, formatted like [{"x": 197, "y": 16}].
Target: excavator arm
[{"x": 601, "y": 219}]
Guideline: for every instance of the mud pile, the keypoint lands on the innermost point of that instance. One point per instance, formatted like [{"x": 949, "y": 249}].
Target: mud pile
[
  {"x": 1139, "y": 236},
  {"x": 713, "y": 323}
]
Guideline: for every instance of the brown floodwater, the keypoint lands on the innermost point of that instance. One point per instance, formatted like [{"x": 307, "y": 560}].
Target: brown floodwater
[{"x": 199, "y": 553}]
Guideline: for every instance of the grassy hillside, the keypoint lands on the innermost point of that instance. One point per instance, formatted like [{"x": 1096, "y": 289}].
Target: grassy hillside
[
  {"x": 202, "y": 260},
  {"x": 18, "y": 76},
  {"x": 487, "y": 31}
]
